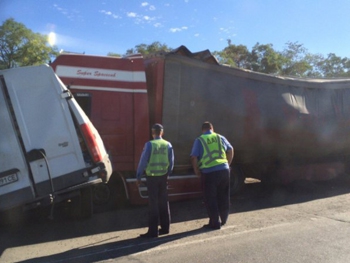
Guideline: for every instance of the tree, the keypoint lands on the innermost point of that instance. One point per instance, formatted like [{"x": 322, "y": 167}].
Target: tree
[
  {"x": 144, "y": 49},
  {"x": 294, "y": 60},
  {"x": 297, "y": 61},
  {"x": 334, "y": 66},
  {"x": 234, "y": 55},
  {"x": 19, "y": 46},
  {"x": 265, "y": 59},
  {"x": 112, "y": 54}
]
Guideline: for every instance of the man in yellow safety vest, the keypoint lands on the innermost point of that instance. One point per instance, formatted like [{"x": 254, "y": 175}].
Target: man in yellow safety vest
[
  {"x": 211, "y": 157},
  {"x": 157, "y": 161}
]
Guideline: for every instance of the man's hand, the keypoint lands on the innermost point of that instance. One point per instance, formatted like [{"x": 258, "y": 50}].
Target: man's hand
[
  {"x": 138, "y": 182},
  {"x": 194, "y": 162}
]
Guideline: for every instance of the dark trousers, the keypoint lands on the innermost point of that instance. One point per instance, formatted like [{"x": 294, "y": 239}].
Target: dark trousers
[
  {"x": 216, "y": 189},
  {"x": 158, "y": 205}
]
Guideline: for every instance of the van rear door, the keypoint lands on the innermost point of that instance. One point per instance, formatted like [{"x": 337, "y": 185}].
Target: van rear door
[
  {"x": 46, "y": 127},
  {"x": 15, "y": 183}
]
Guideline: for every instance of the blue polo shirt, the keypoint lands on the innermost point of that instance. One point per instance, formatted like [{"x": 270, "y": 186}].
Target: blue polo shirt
[
  {"x": 146, "y": 154},
  {"x": 197, "y": 151}
]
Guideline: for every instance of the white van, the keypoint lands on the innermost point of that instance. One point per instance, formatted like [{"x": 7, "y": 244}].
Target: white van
[{"x": 49, "y": 149}]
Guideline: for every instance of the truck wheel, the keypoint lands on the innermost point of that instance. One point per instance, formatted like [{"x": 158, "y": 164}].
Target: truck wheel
[{"x": 236, "y": 179}]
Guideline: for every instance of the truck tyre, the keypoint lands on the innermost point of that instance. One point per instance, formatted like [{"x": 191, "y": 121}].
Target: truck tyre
[{"x": 236, "y": 179}]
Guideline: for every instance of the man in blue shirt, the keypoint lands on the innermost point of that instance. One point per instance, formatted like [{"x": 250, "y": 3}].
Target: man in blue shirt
[
  {"x": 157, "y": 161},
  {"x": 211, "y": 157}
]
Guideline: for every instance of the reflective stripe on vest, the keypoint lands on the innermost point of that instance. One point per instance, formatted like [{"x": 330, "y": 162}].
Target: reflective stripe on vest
[
  {"x": 159, "y": 162},
  {"x": 213, "y": 152}
]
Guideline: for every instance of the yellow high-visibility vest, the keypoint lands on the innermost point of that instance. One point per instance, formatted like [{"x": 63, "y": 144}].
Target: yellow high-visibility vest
[
  {"x": 214, "y": 153},
  {"x": 159, "y": 162}
]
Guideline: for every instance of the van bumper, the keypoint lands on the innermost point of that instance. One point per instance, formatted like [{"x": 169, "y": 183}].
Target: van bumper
[{"x": 103, "y": 169}]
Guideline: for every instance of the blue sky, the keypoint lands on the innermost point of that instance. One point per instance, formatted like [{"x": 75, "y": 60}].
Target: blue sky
[{"x": 99, "y": 27}]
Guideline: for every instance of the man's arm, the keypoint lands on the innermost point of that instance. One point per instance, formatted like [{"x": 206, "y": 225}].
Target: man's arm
[
  {"x": 194, "y": 162},
  {"x": 171, "y": 159},
  {"x": 195, "y": 152},
  {"x": 143, "y": 162},
  {"x": 229, "y": 155},
  {"x": 229, "y": 149}
]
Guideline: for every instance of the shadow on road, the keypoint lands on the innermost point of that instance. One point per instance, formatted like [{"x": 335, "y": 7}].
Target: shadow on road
[
  {"x": 113, "y": 250},
  {"x": 37, "y": 229}
]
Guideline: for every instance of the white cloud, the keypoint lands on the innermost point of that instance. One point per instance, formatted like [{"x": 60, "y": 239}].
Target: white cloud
[
  {"x": 150, "y": 7},
  {"x": 157, "y": 25},
  {"x": 148, "y": 18},
  {"x": 109, "y": 13},
  {"x": 178, "y": 29},
  {"x": 225, "y": 30},
  {"x": 196, "y": 35},
  {"x": 131, "y": 14}
]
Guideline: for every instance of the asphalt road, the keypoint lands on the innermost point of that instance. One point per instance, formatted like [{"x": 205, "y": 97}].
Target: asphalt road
[{"x": 302, "y": 223}]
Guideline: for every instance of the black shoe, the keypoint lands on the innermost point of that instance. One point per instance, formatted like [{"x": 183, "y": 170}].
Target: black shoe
[
  {"x": 223, "y": 223},
  {"x": 163, "y": 232},
  {"x": 148, "y": 235},
  {"x": 209, "y": 226}
]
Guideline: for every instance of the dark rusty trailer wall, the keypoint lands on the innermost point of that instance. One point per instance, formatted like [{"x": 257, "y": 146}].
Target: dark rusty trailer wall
[{"x": 275, "y": 124}]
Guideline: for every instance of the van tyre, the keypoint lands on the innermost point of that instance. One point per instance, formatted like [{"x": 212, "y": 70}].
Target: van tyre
[
  {"x": 86, "y": 205},
  {"x": 12, "y": 217},
  {"x": 82, "y": 206},
  {"x": 116, "y": 195},
  {"x": 101, "y": 194}
]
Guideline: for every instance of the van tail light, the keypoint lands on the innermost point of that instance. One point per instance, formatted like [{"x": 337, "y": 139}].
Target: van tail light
[{"x": 91, "y": 142}]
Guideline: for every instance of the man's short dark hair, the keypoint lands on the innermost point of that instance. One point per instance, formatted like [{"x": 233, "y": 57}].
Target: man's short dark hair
[
  {"x": 207, "y": 126},
  {"x": 157, "y": 127}
]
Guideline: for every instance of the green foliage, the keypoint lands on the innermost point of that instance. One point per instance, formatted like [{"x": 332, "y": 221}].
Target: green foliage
[
  {"x": 235, "y": 56},
  {"x": 19, "y": 46},
  {"x": 294, "y": 60},
  {"x": 265, "y": 59},
  {"x": 112, "y": 54},
  {"x": 144, "y": 49},
  {"x": 334, "y": 66}
]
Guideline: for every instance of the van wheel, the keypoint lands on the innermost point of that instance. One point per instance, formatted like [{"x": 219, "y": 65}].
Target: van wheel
[
  {"x": 101, "y": 194},
  {"x": 14, "y": 217},
  {"x": 81, "y": 205},
  {"x": 116, "y": 195},
  {"x": 237, "y": 179},
  {"x": 86, "y": 205}
]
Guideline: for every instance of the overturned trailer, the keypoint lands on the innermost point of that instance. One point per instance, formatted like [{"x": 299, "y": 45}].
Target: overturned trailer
[{"x": 283, "y": 129}]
